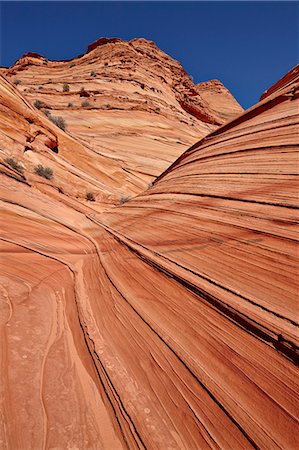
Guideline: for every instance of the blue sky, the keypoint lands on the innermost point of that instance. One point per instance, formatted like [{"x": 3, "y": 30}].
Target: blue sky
[{"x": 246, "y": 45}]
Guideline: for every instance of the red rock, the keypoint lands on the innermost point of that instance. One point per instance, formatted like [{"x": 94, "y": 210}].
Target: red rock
[
  {"x": 169, "y": 322},
  {"x": 143, "y": 110},
  {"x": 102, "y": 41},
  {"x": 286, "y": 80},
  {"x": 207, "y": 259}
]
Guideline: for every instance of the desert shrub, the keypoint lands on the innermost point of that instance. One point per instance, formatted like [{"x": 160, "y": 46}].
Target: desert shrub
[
  {"x": 47, "y": 112},
  {"x": 45, "y": 172},
  {"x": 70, "y": 105},
  {"x": 16, "y": 81},
  {"x": 90, "y": 197},
  {"x": 93, "y": 74},
  {"x": 82, "y": 89},
  {"x": 38, "y": 104},
  {"x": 14, "y": 164},
  {"x": 123, "y": 199},
  {"x": 84, "y": 104},
  {"x": 66, "y": 87},
  {"x": 72, "y": 65},
  {"x": 58, "y": 121}
]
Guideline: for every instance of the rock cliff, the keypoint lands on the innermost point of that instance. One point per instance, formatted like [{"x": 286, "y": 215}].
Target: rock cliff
[
  {"x": 169, "y": 322},
  {"x": 126, "y": 101}
]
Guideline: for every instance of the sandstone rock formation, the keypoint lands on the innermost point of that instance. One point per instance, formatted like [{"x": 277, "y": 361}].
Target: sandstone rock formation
[
  {"x": 126, "y": 101},
  {"x": 167, "y": 323},
  {"x": 29, "y": 138}
]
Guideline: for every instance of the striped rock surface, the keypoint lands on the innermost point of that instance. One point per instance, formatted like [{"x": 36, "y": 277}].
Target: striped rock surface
[
  {"x": 127, "y": 103},
  {"x": 169, "y": 322}
]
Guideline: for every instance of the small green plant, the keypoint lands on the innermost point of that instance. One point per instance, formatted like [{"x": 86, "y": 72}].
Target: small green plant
[
  {"x": 85, "y": 104},
  {"x": 66, "y": 87},
  {"x": 47, "y": 112},
  {"x": 14, "y": 164},
  {"x": 123, "y": 199},
  {"x": 70, "y": 105},
  {"x": 16, "y": 81},
  {"x": 82, "y": 89},
  {"x": 90, "y": 196},
  {"x": 45, "y": 172},
  {"x": 93, "y": 74},
  {"x": 58, "y": 121},
  {"x": 38, "y": 104}
]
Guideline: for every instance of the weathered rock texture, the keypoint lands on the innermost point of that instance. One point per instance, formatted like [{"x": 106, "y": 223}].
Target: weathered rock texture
[
  {"x": 128, "y": 102},
  {"x": 169, "y": 322}
]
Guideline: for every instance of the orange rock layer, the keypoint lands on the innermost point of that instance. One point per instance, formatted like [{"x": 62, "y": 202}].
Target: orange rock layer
[
  {"x": 169, "y": 322},
  {"x": 127, "y": 103}
]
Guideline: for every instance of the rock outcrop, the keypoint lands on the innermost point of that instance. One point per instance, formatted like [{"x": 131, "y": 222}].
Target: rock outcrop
[
  {"x": 169, "y": 322},
  {"x": 126, "y": 101},
  {"x": 29, "y": 139}
]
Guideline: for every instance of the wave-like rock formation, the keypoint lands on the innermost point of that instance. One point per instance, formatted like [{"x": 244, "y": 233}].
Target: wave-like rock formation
[
  {"x": 29, "y": 139},
  {"x": 126, "y": 101},
  {"x": 169, "y": 322}
]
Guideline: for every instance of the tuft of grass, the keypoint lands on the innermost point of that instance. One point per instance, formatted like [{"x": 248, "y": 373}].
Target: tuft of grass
[
  {"x": 58, "y": 121},
  {"x": 90, "y": 196},
  {"x": 84, "y": 104},
  {"x": 93, "y": 74},
  {"x": 16, "y": 81},
  {"x": 38, "y": 104},
  {"x": 65, "y": 87},
  {"x": 13, "y": 163},
  {"x": 123, "y": 199},
  {"x": 45, "y": 172}
]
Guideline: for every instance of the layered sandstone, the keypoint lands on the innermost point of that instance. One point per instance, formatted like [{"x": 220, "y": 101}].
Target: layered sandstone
[
  {"x": 127, "y": 101},
  {"x": 167, "y": 323},
  {"x": 29, "y": 138},
  {"x": 208, "y": 260}
]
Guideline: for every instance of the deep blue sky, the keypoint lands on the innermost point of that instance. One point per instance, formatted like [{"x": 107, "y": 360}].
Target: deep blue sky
[{"x": 246, "y": 45}]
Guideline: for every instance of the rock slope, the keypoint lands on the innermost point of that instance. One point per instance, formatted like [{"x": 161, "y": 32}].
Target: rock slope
[
  {"x": 207, "y": 260},
  {"x": 126, "y": 101},
  {"x": 169, "y": 322},
  {"x": 29, "y": 139}
]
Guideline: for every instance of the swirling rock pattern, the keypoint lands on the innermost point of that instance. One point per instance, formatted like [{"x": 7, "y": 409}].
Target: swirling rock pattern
[
  {"x": 169, "y": 322},
  {"x": 128, "y": 103}
]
